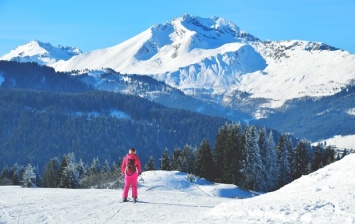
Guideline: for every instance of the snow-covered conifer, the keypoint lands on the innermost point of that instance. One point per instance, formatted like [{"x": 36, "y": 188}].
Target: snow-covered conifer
[
  {"x": 80, "y": 167},
  {"x": 283, "y": 161},
  {"x": 29, "y": 177},
  {"x": 70, "y": 177},
  {"x": 105, "y": 167},
  {"x": 254, "y": 168}
]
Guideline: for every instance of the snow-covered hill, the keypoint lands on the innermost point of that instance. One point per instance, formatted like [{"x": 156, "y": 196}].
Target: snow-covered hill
[
  {"x": 325, "y": 196},
  {"x": 41, "y": 53}
]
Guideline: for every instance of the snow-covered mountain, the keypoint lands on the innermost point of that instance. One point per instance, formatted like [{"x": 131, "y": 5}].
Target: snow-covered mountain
[
  {"x": 193, "y": 54},
  {"x": 213, "y": 59},
  {"x": 41, "y": 53},
  {"x": 325, "y": 196}
]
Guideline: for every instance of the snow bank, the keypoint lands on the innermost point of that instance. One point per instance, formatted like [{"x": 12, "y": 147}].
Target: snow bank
[
  {"x": 325, "y": 196},
  {"x": 179, "y": 181}
]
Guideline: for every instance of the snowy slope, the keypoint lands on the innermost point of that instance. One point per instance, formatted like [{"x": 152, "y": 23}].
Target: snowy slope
[
  {"x": 41, "y": 53},
  {"x": 325, "y": 196}
]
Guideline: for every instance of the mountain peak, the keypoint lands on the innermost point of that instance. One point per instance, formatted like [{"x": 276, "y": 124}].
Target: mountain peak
[
  {"x": 41, "y": 52},
  {"x": 216, "y": 27}
]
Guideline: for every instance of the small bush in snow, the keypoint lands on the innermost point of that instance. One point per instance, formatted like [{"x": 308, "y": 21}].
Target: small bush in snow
[{"x": 191, "y": 178}]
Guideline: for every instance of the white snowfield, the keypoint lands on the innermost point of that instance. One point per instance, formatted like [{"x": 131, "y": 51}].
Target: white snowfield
[{"x": 325, "y": 196}]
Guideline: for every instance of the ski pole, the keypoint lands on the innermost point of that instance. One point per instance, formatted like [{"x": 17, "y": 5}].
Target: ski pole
[{"x": 120, "y": 177}]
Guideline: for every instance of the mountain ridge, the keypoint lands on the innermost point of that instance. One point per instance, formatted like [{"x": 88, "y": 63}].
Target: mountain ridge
[
  {"x": 212, "y": 58},
  {"x": 41, "y": 53}
]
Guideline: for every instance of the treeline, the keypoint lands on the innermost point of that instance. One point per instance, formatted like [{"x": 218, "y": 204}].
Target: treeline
[
  {"x": 64, "y": 173},
  {"x": 247, "y": 157}
]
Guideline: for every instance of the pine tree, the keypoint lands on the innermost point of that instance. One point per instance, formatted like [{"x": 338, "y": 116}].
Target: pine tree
[
  {"x": 150, "y": 165},
  {"x": 264, "y": 153},
  {"x": 119, "y": 163},
  {"x": 204, "y": 161},
  {"x": 165, "y": 161},
  {"x": 254, "y": 169},
  {"x": 329, "y": 155},
  {"x": 5, "y": 176},
  {"x": 70, "y": 177},
  {"x": 105, "y": 167},
  {"x": 63, "y": 165},
  {"x": 300, "y": 160},
  {"x": 228, "y": 154},
  {"x": 50, "y": 173},
  {"x": 17, "y": 173},
  {"x": 219, "y": 152},
  {"x": 94, "y": 167},
  {"x": 235, "y": 155},
  {"x": 269, "y": 158},
  {"x": 80, "y": 167},
  {"x": 113, "y": 167},
  {"x": 273, "y": 169},
  {"x": 29, "y": 177},
  {"x": 317, "y": 158},
  {"x": 282, "y": 152},
  {"x": 189, "y": 159},
  {"x": 176, "y": 160}
]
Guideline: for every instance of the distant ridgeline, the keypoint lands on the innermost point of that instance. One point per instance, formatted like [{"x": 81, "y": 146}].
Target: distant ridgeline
[
  {"x": 312, "y": 117},
  {"x": 32, "y": 76}
]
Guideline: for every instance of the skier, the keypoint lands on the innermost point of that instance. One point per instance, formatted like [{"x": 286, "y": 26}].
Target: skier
[{"x": 131, "y": 168}]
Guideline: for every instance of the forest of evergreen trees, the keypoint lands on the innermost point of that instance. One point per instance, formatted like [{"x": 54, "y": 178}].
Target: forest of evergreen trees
[
  {"x": 36, "y": 126},
  {"x": 247, "y": 157}
]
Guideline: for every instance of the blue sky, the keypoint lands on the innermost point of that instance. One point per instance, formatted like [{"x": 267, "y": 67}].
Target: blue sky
[{"x": 90, "y": 25}]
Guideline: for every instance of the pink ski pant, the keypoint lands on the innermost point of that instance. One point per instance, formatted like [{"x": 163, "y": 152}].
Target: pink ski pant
[{"x": 131, "y": 180}]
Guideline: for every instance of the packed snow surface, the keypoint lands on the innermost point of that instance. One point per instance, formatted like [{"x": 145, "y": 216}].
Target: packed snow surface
[{"x": 325, "y": 196}]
